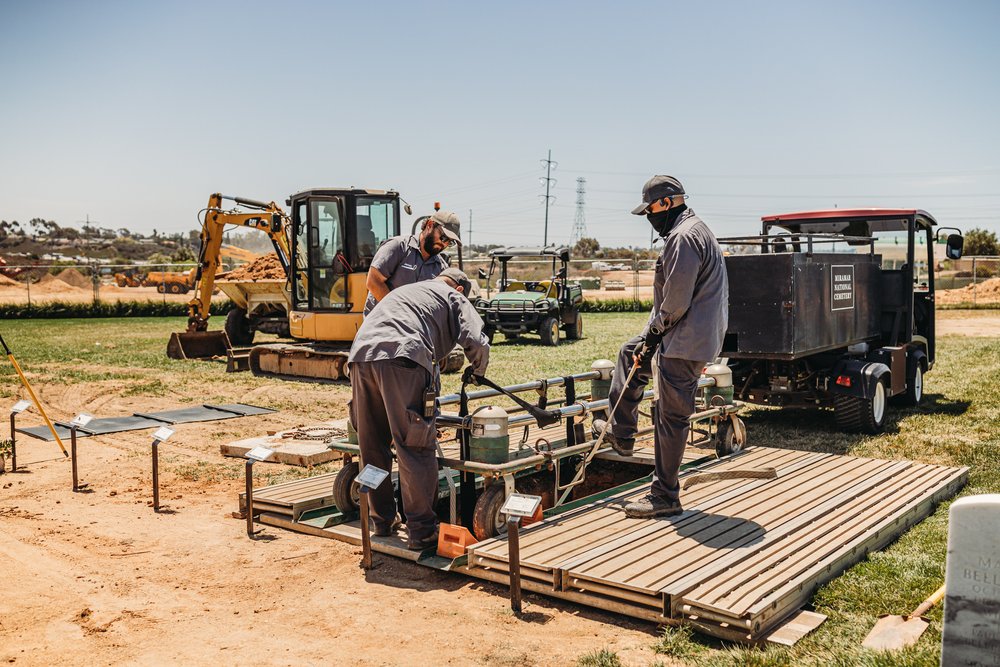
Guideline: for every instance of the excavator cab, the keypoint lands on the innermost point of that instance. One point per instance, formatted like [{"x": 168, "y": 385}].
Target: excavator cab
[{"x": 335, "y": 235}]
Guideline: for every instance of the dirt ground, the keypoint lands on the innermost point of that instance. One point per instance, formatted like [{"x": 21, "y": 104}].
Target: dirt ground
[{"x": 99, "y": 578}]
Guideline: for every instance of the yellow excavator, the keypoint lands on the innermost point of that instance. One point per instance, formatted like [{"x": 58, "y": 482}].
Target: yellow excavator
[{"x": 325, "y": 246}]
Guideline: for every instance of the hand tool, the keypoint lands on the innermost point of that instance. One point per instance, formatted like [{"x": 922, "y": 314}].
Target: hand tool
[
  {"x": 24, "y": 381},
  {"x": 893, "y": 632}
]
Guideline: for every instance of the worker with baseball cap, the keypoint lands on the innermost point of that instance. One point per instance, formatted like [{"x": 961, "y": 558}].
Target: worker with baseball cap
[
  {"x": 403, "y": 260},
  {"x": 394, "y": 381},
  {"x": 686, "y": 327}
]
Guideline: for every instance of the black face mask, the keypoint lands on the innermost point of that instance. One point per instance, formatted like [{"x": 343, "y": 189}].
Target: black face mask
[{"x": 661, "y": 221}]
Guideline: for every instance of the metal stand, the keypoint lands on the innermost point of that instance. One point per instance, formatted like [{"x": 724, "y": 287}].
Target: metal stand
[
  {"x": 77, "y": 487},
  {"x": 514, "y": 560},
  {"x": 156, "y": 477},
  {"x": 366, "y": 537},
  {"x": 13, "y": 442},
  {"x": 250, "y": 531}
]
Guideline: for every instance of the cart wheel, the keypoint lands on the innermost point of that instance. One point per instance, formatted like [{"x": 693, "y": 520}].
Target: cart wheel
[
  {"x": 346, "y": 491},
  {"x": 487, "y": 521},
  {"x": 914, "y": 388},
  {"x": 861, "y": 415},
  {"x": 511, "y": 336},
  {"x": 175, "y": 289},
  {"x": 549, "y": 331},
  {"x": 726, "y": 439},
  {"x": 575, "y": 331}
]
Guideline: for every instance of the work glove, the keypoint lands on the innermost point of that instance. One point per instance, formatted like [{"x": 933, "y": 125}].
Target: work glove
[
  {"x": 469, "y": 376},
  {"x": 644, "y": 351}
]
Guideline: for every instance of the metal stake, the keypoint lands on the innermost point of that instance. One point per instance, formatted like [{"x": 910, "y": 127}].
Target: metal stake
[
  {"x": 514, "y": 560},
  {"x": 250, "y": 531},
  {"x": 13, "y": 442},
  {"x": 72, "y": 449},
  {"x": 156, "y": 476},
  {"x": 366, "y": 537}
]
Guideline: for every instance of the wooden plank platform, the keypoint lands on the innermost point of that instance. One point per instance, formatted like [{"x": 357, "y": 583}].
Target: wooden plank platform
[
  {"x": 744, "y": 555},
  {"x": 297, "y": 451},
  {"x": 292, "y": 498}
]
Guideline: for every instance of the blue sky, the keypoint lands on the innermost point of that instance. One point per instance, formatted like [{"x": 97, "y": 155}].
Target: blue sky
[{"x": 133, "y": 113}]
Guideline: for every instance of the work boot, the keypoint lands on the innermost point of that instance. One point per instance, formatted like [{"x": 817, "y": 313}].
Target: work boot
[
  {"x": 386, "y": 531},
  {"x": 426, "y": 543},
  {"x": 650, "y": 506},
  {"x": 623, "y": 446}
]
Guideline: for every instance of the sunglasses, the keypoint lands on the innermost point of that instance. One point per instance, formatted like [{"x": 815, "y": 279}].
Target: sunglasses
[{"x": 442, "y": 238}]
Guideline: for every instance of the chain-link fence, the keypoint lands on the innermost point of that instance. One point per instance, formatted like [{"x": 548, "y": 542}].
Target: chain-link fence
[
  {"x": 38, "y": 284},
  {"x": 971, "y": 280}
]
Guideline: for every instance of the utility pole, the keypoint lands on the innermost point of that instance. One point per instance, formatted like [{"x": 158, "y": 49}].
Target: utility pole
[
  {"x": 548, "y": 180},
  {"x": 580, "y": 225},
  {"x": 470, "y": 230}
]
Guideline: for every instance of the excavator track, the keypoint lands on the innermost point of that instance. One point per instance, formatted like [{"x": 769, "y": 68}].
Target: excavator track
[{"x": 305, "y": 362}]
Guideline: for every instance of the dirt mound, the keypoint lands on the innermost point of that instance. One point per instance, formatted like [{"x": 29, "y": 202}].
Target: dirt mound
[
  {"x": 74, "y": 278},
  {"x": 986, "y": 291},
  {"x": 263, "y": 268},
  {"x": 8, "y": 282}
]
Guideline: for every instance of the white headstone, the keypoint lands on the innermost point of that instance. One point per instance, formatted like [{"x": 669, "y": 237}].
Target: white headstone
[{"x": 972, "y": 583}]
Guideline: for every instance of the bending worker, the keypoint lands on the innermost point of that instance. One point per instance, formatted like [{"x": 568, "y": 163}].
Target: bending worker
[
  {"x": 686, "y": 326},
  {"x": 403, "y": 260},
  {"x": 394, "y": 381}
]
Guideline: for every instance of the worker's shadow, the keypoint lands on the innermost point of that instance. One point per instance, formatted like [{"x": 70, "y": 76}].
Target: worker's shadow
[{"x": 717, "y": 531}]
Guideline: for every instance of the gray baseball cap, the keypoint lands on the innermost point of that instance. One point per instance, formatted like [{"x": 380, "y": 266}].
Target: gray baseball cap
[
  {"x": 655, "y": 188},
  {"x": 450, "y": 224},
  {"x": 459, "y": 277}
]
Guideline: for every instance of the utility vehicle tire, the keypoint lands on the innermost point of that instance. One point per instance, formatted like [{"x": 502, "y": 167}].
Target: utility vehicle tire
[
  {"x": 174, "y": 288},
  {"x": 487, "y": 521},
  {"x": 726, "y": 442},
  {"x": 575, "y": 331},
  {"x": 490, "y": 333},
  {"x": 511, "y": 336},
  {"x": 238, "y": 328},
  {"x": 162, "y": 289},
  {"x": 549, "y": 331},
  {"x": 914, "y": 388},
  {"x": 861, "y": 415},
  {"x": 346, "y": 491}
]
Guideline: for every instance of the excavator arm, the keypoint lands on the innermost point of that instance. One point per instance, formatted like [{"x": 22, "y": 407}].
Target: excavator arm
[{"x": 197, "y": 341}]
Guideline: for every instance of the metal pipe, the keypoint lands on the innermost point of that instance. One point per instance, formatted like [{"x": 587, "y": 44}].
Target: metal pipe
[
  {"x": 13, "y": 442},
  {"x": 249, "y": 496},
  {"x": 72, "y": 446},
  {"x": 366, "y": 537},
  {"x": 451, "y": 399},
  {"x": 514, "y": 560}
]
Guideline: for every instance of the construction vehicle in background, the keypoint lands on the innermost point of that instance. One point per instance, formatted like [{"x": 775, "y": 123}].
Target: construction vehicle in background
[
  {"x": 325, "y": 247},
  {"x": 170, "y": 282}
]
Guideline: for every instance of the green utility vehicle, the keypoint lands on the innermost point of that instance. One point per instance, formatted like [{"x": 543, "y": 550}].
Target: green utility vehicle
[{"x": 530, "y": 306}]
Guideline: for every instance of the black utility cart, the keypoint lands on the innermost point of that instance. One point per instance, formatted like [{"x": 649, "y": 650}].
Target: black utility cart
[{"x": 826, "y": 309}]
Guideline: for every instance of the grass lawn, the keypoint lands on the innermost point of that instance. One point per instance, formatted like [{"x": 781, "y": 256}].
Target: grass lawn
[{"x": 958, "y": 424}]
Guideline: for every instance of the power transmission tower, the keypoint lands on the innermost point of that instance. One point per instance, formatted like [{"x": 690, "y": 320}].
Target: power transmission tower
[
  {"x": 580, "y": 224},
  {"x": 549, "y": 181}
]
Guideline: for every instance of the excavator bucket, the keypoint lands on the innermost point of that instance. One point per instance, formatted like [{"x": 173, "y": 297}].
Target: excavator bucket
[{"x": 198, "y": 345}]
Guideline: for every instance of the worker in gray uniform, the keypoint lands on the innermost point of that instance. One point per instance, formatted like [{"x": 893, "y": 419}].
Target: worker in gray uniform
[
  {"x": 403, "y": 260},
  {"x": 686, "y": 326},
  {"x": 394, "y": 381}
]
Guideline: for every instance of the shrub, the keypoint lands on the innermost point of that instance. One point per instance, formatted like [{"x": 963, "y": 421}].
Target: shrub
[{"x": 60, "y": 309}]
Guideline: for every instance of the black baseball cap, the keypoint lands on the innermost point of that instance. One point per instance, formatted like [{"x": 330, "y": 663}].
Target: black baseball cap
[
  {"x": 655, "y": 188},
  {"x": 459, "y": 277}
]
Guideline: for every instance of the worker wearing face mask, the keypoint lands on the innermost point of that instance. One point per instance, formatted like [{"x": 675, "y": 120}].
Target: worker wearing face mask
[{"x": 686, "y": 327}]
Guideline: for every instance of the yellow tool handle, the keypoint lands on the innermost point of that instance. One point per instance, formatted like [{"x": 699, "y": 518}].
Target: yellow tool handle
[
  {"x": 928, "y": 603},
  {"x": 35, "y": 400}
]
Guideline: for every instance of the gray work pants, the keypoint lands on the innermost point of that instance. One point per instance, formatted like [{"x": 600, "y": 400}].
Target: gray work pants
[
  {"x": 387, "y": 407},
  {"x": 678, "y": 382}
]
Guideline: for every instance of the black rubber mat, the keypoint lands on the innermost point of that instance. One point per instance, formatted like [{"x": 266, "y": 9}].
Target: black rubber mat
[
  {"x": 196, "y": 413},
  {"x": 242, "y": 409},
  {"x": 43, "y": 432},
  {"x": 142, "y": 420}
]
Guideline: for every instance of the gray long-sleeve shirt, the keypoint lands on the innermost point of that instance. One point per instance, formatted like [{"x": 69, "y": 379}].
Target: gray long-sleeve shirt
[
  {"x": 422, "y": 322},
  {"x": 690, "y": 292},
  {"x": 400, "y": 261}
]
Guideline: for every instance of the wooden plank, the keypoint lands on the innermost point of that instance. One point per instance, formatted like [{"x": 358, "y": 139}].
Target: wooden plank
[{"x": 302, "y": 454}]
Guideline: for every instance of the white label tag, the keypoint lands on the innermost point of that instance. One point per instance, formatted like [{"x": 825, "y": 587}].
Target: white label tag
[
  {"x": 20, "y": 407},
  {"x": 520, "y": 504},
  {"x": 260, "y": 453},
  {"x": 163, "y": 433},
  {"x": 372, "y": 477},
  {"x": 82, "y": 419}
]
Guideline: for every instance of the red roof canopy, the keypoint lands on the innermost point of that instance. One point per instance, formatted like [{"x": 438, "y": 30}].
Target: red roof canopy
[{"x": 836, "y": 213}]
